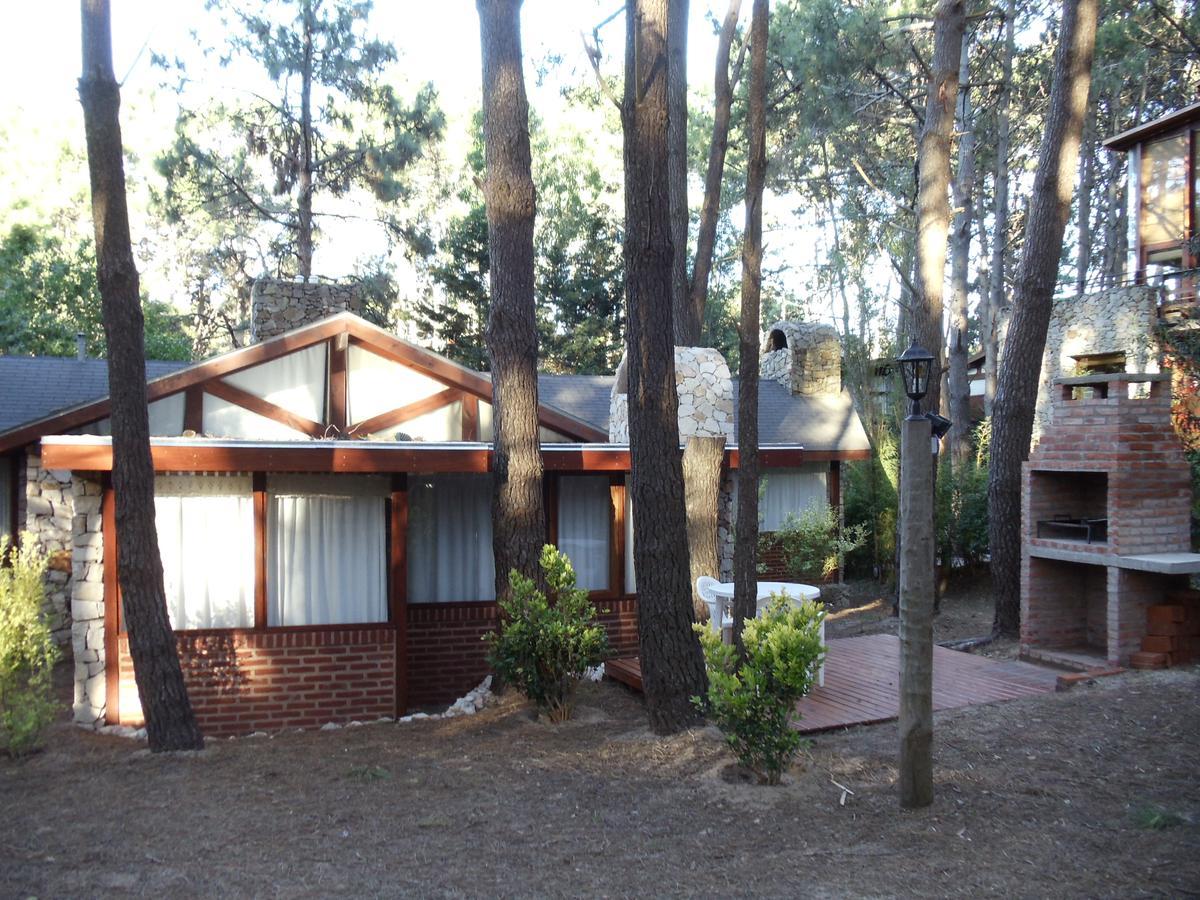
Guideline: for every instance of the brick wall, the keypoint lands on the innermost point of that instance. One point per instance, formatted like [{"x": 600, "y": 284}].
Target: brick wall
[
  {"x": 249, "y": 681},
  {"x": 447, "y": 653}
]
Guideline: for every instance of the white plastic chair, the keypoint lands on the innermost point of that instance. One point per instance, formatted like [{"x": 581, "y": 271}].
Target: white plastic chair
[{"x": 704, "y": 586}]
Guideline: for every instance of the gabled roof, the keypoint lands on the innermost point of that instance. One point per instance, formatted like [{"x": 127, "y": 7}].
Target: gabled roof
[
  {"x": 1163, "y": 124},
  {"x": 33, "y": 387},
  {"x": 66, "y": 416}
]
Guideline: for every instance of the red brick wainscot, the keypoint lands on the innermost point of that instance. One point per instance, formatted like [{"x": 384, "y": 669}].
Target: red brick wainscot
[
  {"x": 244, "y": 681},
  {"x": 447, "y": 655}
]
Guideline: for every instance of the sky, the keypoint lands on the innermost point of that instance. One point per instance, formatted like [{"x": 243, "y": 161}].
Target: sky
[{"x": 436, "y": 41}]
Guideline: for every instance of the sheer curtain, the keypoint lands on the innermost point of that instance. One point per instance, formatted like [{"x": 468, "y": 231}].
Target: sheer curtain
[
  {"x": 450, "y": 538},
  {"x": 630, "y": 571},
  {"x": 791, "y": 491},
  {"x": 326, "y": 549},
  {"x": 585, "y": 528},
  {"x": 206, "y": 540}
]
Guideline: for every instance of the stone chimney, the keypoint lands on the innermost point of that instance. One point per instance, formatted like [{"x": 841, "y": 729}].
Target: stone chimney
[
  {"x": 805, "y": 357},
  {"x": 279, "y": 306},
  {"x": 705, "y": 391}
]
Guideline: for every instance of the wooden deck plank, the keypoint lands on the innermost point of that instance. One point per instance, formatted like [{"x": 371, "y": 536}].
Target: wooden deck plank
[{"x": 862, "y": 682}]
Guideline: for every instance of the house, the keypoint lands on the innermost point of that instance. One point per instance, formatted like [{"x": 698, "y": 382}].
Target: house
[{"x": 323, "y": 505}]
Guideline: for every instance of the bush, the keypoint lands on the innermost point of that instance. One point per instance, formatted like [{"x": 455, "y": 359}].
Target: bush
[
  {"x": 811, "y": 546},
  {"x": 962, "y": 506},
  {"x": 753, "y": 704},
  {"x": 544, "y": 647},
  {"x": 27, "y": 650},
  {"x": 871, "y": 501}
]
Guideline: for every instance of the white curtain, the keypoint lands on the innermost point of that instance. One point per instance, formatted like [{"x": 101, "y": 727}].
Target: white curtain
[
  {"x": 791, "y": 491},
  {"x": 585, "y": 528},
  {"x": 630, "y": 572},
  {"x": 327, "y": 550},
  {"x": 450, "y": 538},
  {"x": 206, "y": 540}
]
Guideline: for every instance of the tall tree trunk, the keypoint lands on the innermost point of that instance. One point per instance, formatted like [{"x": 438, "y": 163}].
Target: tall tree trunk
[
  {"x": 1020, "y": 369},
  {"x": 687, "y": 324},
  {"x": 933, "y": 197},
  {"x": 745, "y": 548},
  {"x": 960, "y": 262},
  {"x": 672, "y": 665},
  {"x": 997, "y": 289},
  {"x": 706, "y": 232},
  {"x": 702, "y": 461},
  {"x": 170, "y": 724},
  {"x": 1087, "y": 182},
  {"x": 518, "y": 517},
  {"x": 304, "y": 237}
]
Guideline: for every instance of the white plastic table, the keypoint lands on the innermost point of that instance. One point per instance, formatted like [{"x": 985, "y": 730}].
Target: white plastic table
[{"x": 792, "y": 590}]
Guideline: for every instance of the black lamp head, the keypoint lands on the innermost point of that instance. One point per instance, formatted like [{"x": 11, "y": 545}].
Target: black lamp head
[{"x": 916, "y": 365}]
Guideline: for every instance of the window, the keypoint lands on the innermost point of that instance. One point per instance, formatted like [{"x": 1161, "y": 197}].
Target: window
[
  {"x": 450, "y": 538},
  {"x": 791, "y": 491},
  {"x": 326, "y": 549},
  {"x": 585, "y": 528},
  {"x": 206, "y": 540},
  {"x": 630, "y": 569}
]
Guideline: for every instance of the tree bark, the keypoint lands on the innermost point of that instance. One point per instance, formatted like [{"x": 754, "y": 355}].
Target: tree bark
[
  {"x": 706, "y": 232},
  {"x": 672, "y": 665},
  {"x": 960, "y": 256},
  {"x": 1020, "y": 369},
  {"x": 304, "y": 236},
  {"x": 916, "y": 616},
  {"x": 170, "y": 723},
  {"x": 745, "y": 548},
  {"x": 1087, "y": 181},
  {"x": 702, "y": 461},
  {"x": 933, "y": 201},
  {"x": 686, "y": 324},
  {"x": 997, "y": 292},
  {"x": 518, "y": 514}
]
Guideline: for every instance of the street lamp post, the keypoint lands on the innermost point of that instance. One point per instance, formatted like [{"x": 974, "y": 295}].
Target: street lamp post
[{"x": 916, "y": 586}]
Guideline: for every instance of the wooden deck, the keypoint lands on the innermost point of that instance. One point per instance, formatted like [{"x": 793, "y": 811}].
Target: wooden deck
[{"x": 862, "y": 682}]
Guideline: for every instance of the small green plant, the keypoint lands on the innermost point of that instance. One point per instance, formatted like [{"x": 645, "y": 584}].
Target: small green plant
[
  {"x": 1155, "y": 818},
  {"x": 753, "y": 703},
  {"x": 368, "y": 773},
  {"x": 544, "y": 646},
  {"x": 27, "y": 649},
  {"x": 811, "y": 544}
]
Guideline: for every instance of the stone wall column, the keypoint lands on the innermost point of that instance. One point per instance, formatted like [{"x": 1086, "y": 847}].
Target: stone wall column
[
  {"x": 49, "y": 514},
  {"x": 87, "y": 602}
]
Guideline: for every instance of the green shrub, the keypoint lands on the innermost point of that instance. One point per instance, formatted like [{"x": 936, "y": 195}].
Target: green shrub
[
  {"x": 543, "y": 648},
  {"x": 27, "y": 650},
  {"x": 811, "y": 546},
  {"x": 753, "y": 704},
  {"x": 962, "y": 505},
  {"x": 870, "y": 500}
]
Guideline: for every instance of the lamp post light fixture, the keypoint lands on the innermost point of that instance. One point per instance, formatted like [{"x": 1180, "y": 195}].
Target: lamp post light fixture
[{"x": 916, "y": 365}]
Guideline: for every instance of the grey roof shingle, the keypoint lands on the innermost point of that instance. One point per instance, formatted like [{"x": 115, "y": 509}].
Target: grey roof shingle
[
  {"x": 33, "y": 387},
  {"x": 816, "y": 423}
]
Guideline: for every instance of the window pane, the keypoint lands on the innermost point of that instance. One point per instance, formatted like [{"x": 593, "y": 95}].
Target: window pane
[
  {"x": 791, "y": 491},
  {"x": 206, "y": 539},
  {"x": 1164, "y": 189},
  {"x": 630, "y": 569},
  {"x": 585, "y": 528},
  {"x": 450, "y": 538},
  {"x": 6, "y": 494},
  {"x": 327, "y": 550}
]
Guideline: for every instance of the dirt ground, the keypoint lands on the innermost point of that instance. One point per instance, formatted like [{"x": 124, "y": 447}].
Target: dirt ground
[{"x": 1092, "y": 793}]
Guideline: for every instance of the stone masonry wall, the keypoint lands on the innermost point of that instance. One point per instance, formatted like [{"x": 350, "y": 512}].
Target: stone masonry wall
[
  {"x": 705, "y": 391},
  {"x": 87, "y": 602},
  {"x": 810, "y": 364},
  {"x": 1120, "y": 320},
  {"x": 279, "y": 306},
  {"x": 49, "y": 511}
]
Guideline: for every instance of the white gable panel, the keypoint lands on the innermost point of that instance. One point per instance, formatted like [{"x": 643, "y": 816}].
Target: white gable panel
[
  {"x": 487, "y": 431},
  {"x": 228, "y": 420},
  {"x": 443, "y": 424},
  {"x": 296, "y": 382},
  {"x": 166, "y": 416},
  {"x": 374, "y": 385}
]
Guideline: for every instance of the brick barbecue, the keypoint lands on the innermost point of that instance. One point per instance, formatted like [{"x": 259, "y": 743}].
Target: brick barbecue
[{"x": 1106, "y": 521}]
